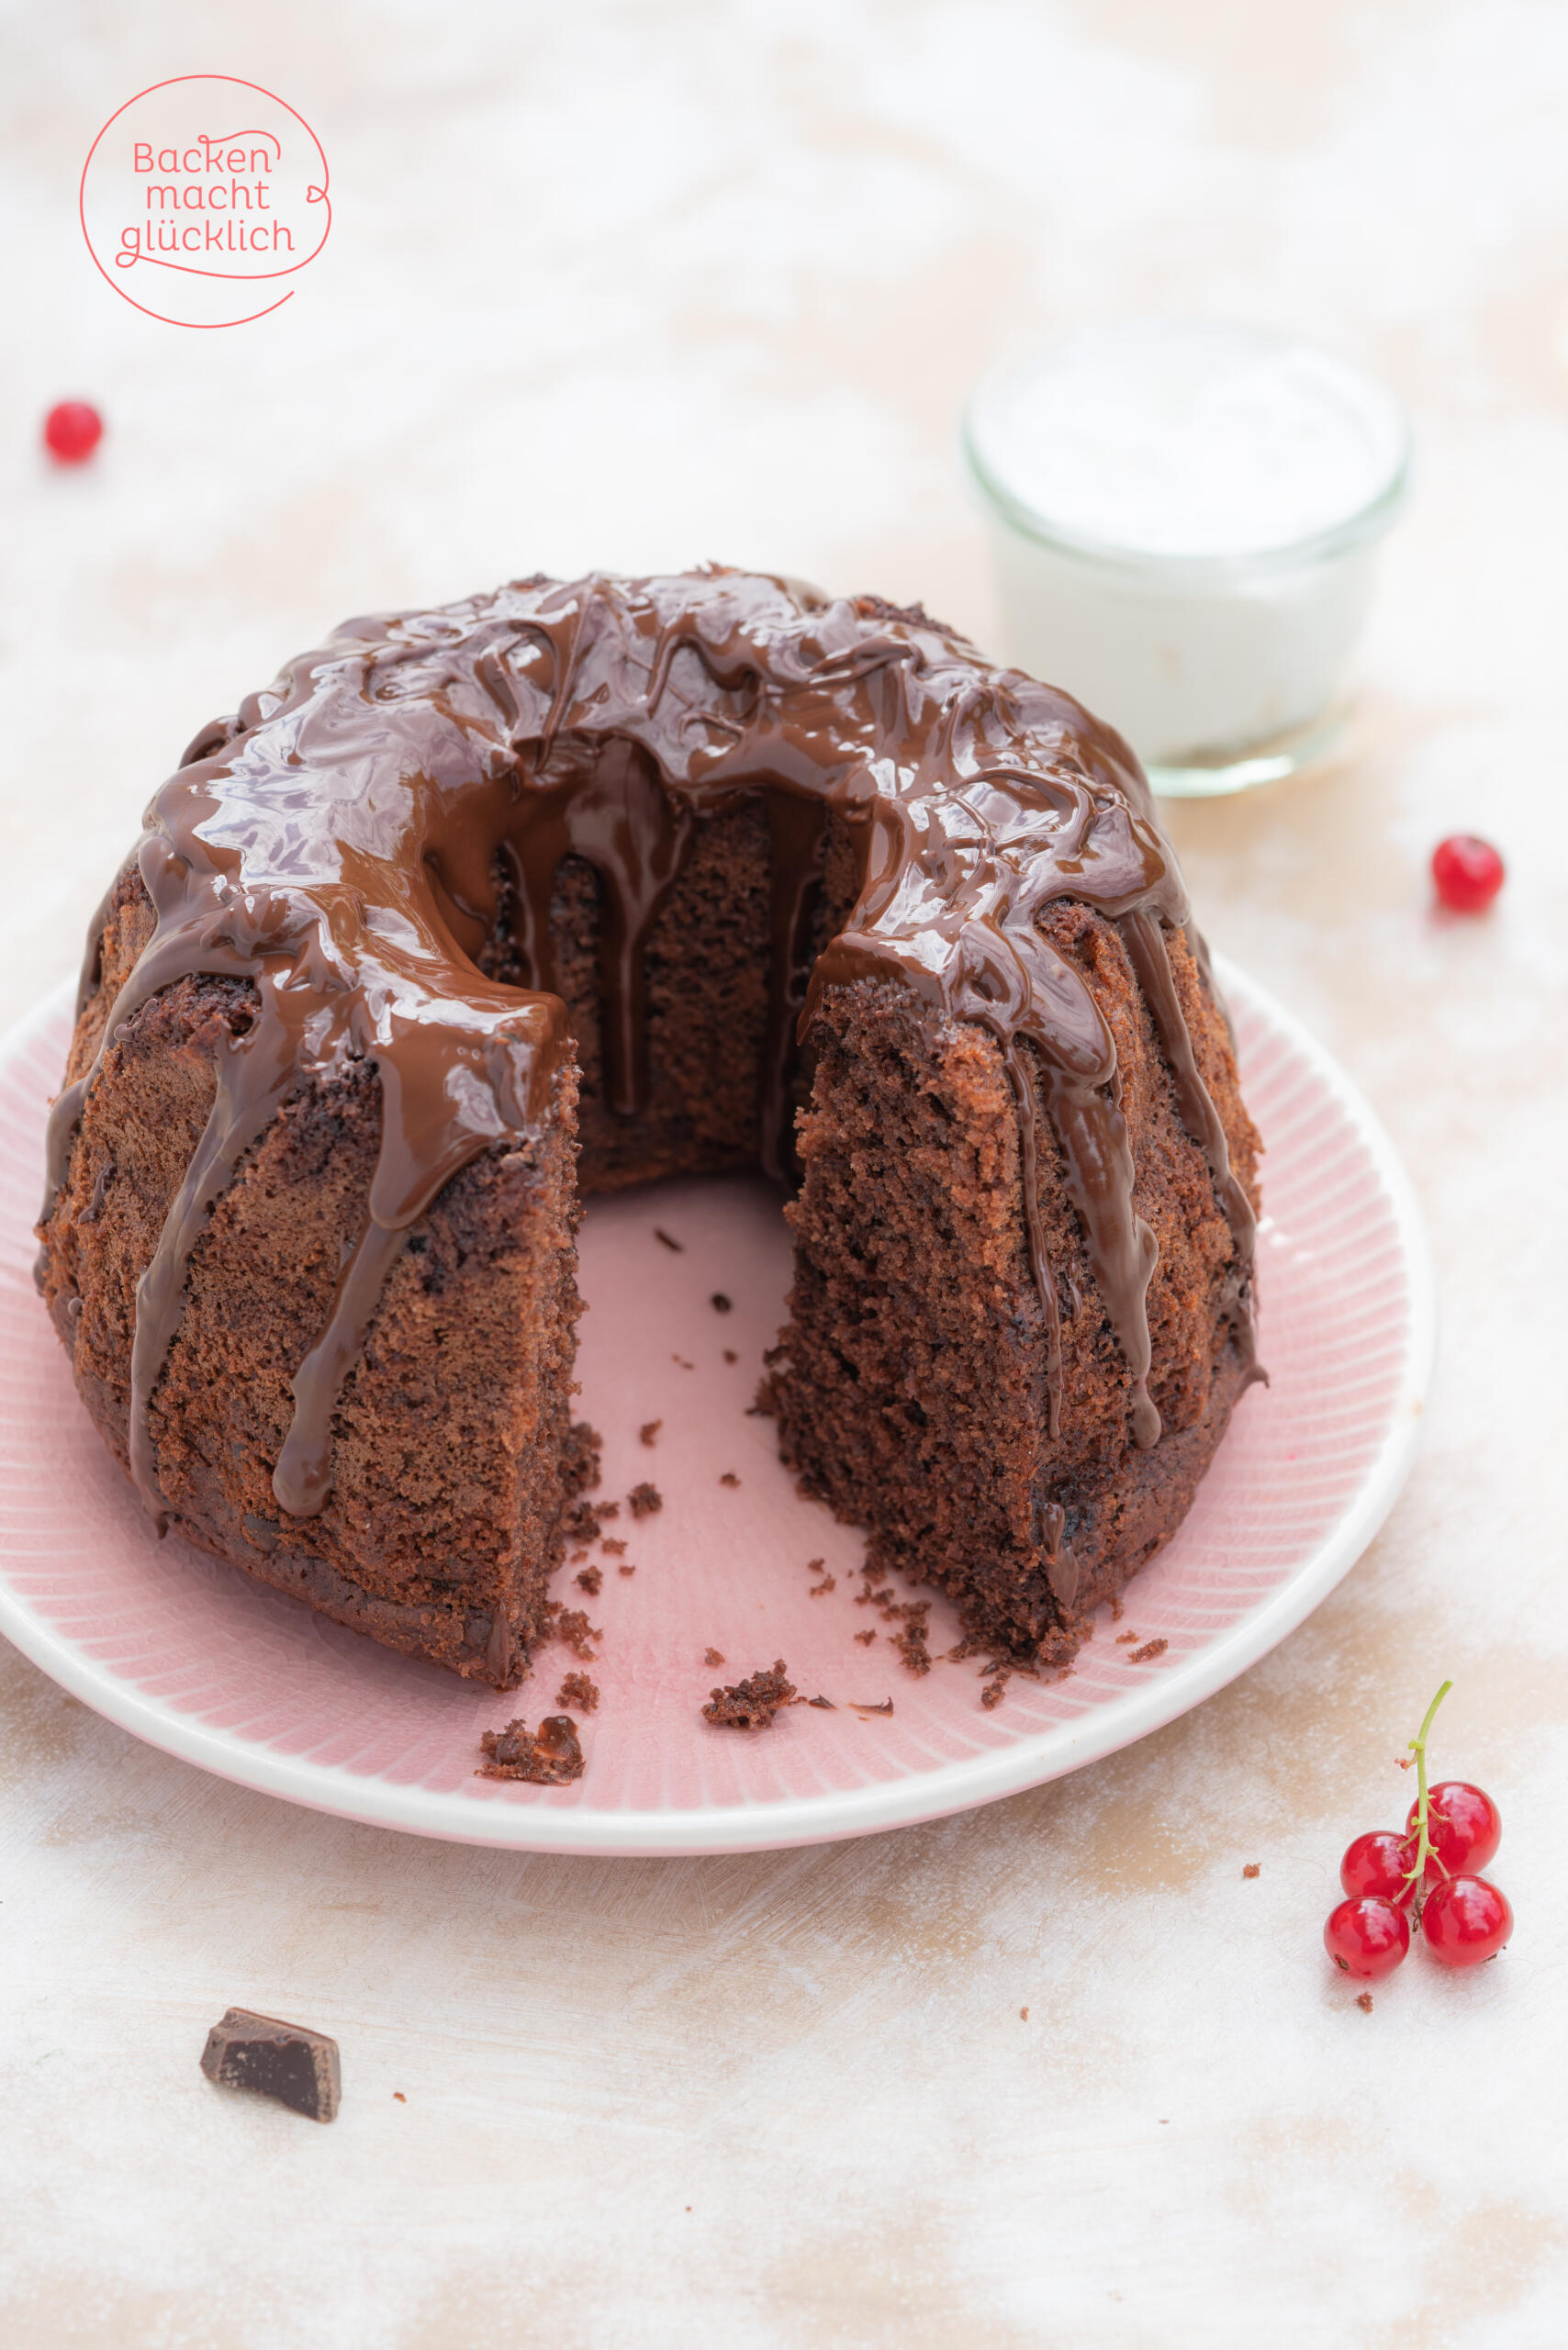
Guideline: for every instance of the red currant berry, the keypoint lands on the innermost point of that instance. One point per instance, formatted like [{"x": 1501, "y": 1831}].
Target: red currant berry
[
  {"x": 1368, "y": 1937},
  {"x": 1467, "y": 873},
  {"x": 72, "y": 431},
  {"x": 1465, "y": 1919},
  {"x": 1380, "y": 1862},
  {"x": 1464, "y": 1826}
]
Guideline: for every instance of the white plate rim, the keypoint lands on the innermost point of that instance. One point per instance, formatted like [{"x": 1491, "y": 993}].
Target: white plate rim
[{"x": 900, "y": 1802}]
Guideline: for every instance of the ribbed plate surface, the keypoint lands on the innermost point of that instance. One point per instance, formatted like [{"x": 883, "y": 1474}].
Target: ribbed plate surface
[{"x": 193, "y": 1657}]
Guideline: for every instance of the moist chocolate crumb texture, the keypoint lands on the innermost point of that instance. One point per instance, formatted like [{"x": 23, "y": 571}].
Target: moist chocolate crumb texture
[
  {"x": 550, "y": 1756},
  {"x": 753, "y": 1703},
  {"x": 480, "y": 909}
]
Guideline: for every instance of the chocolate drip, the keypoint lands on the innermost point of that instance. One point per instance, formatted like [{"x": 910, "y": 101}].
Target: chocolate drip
[
  {"x": 1021, "y": 1076},
  {"x": 254, "y": 1074},
  {"x": 336, "y": 843},
  {"x": 1145, "y": 941},
  {"x": 795, "y": 833},
  {"x": 1061, "y": 1567},
  {"x": 302, "y": 1479}
]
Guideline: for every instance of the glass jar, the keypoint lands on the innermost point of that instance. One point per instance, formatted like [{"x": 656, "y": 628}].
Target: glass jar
[{"x": 1185, "y": 519}]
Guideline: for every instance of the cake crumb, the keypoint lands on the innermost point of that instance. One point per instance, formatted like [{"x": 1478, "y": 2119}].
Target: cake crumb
[
  {"x": 1253, "y": 1868},
  {"x": 601, "y": 1510},
  {"x": 711, "y": 1656},
  {"x": 910, "y": 1642},
  {"x": 577, "y": 1690},
  {"x": 1149, "y": 1651},
  {"x": 399, "y": 2098},
  {"x": 591, "y": 1579},
  {"x": 993, "y": 1693},
  {"x": 826, "y": 1703},
  {"x": 720, "y": 1302},
  {"x": 871, "y": 1597},
  {"x": 867, "y": 1637},
  {"x": 828, "y": 1582},
  {"x": 679, "y": 1246},
  {"x": 730, "y": 1355},
  {"x": 1124, "y": 1640},
  {"x": 885, "y": 1707},
  {"x": 549, "y": 1756},
  {"x": 1024, "y": 2014},
  {"x": 1364, "y": 2001},
  {"x": 571, "y": 1626},
  {"x": 753, "y": 1703},
  {"x": 643, "y": 1499},
  {"x": 729, "y": 1478},
  {"x": 683, "y": 1363},
  {"x": 613, "y": 1543},
  {"x": 648, "y": 1432},
  {"x": 625, "y": 1570}
]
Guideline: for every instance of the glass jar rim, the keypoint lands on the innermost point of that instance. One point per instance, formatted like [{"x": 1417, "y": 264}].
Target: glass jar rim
[{"x": 1364, "y": 523}]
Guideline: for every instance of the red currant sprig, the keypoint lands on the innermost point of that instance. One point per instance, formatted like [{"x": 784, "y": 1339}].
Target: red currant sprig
[{"x": 1428, "y": 1874}]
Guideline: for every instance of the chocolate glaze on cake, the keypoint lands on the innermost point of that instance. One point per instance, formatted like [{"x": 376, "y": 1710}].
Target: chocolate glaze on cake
[{"x": 374, "y": 863}]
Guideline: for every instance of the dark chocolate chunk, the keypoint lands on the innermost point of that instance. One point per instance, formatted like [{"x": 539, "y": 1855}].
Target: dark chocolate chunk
[{"x": 286, "y": 2061}]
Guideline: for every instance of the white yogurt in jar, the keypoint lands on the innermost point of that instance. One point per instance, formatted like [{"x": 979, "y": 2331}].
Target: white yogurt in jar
[{"x": 1184, "y": 517}]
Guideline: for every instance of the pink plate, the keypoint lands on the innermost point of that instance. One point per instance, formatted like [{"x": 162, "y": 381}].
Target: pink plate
[{"x": 191, "y": 1656}]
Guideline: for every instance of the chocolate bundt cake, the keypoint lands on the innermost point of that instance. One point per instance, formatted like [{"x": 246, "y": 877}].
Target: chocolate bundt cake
[{"x": 574, "y": 886}]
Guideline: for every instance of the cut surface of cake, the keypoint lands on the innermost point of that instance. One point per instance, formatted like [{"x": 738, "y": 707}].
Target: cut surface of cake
[{"x": 481, "y": 910}]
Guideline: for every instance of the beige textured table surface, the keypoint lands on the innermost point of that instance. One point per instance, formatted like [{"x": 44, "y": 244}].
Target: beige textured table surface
[{"x": 637, "y": 285}]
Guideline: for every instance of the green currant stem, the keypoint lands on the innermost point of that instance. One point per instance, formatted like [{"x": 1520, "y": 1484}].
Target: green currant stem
[{"x": 1416, "y": 1871}]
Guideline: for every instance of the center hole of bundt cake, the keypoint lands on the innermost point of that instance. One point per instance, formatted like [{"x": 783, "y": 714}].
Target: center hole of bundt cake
[{"x": 683, "y": 986}]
